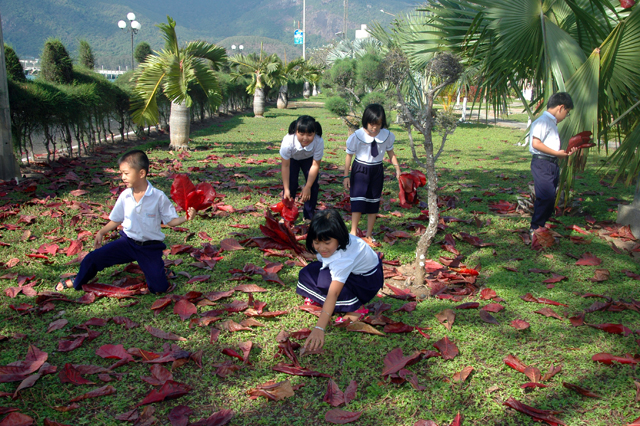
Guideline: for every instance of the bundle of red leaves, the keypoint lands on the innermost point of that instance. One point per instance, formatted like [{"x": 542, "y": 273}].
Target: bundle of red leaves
[
  {"x": 409, "y": 184},
  {"x": 580, "y": 141},
  {"x": 287, "y": 209},
  {"x": 185, "y": 194}
]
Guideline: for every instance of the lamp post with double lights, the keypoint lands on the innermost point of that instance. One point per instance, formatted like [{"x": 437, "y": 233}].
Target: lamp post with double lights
[
  {"x": 234, "y": 47},
  {"x": 134, "y": 27}
]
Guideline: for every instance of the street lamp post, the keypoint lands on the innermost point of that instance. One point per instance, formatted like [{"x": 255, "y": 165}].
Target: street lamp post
[{"x": 133, "y": 29}]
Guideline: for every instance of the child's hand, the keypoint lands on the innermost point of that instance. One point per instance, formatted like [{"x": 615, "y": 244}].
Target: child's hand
[
  {"x": 97, "y": 243},
  {"x": 346, "y": 183},
  {"x": 191, "y": 212},
  {"x": 563, "y": 154},
  {"x": 286, "y": 194},
  {"x": 305, "y": 195},
  {"x": 315, "y": 340}
]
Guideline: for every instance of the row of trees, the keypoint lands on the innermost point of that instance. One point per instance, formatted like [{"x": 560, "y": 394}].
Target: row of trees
[{"x": 68, "y": 104}]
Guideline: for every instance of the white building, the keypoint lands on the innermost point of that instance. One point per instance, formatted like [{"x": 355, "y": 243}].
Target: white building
[{"x": 362, "y": 32}]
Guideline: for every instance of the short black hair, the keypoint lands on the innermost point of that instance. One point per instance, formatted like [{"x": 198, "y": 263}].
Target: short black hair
[
  {"x": 560, "y": 98},
  {"x": 136, "y": 159},
  {"x": 327, "y": 224},
  {"x": 305, "y": 124},
  {"x": 374, "y": 113}
]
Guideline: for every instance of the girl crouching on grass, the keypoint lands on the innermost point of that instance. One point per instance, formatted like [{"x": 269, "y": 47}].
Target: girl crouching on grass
[{"x": 348, "y": 274}]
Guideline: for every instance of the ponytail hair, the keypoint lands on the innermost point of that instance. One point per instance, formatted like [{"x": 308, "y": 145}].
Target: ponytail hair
[{"x": 305, "y": 124}]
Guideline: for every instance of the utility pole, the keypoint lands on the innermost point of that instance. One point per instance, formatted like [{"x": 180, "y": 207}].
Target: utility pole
[
  {"x": 304, "y": 29},
  {"x": 9, "y": 168},
  {"x": 345, "y": 18}
]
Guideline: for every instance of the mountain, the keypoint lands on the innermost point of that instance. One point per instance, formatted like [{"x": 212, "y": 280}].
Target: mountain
[{"x": 26, "y": 24}]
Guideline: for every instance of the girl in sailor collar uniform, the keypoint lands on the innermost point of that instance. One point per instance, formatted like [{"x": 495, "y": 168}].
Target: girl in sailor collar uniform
[
  {"x": 302, "y": 150},
  {"x": 368, "y": 144}
]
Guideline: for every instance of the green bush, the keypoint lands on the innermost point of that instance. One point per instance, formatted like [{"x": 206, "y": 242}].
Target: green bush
[
  {"x": 143, "y": 50},
  {"x": 85, "y": 55},
  {"x": 56, "y": 65},
  {"x": 378, "y": 98},
  {"x": 337, "y": 105},
  {"x": 14, "y": 67}
]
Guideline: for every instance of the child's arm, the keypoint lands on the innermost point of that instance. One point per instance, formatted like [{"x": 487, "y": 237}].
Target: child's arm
[
  {"x": 394, "y": 161},
  {"x": 285, "y": 169},
  {"x": 191, "y": 212},
  {"x": 346, "y": 182},
  {"x": 313, "y": 174},
  {"x": 316, "y": 338},
  {"x": 104, "y": 231},
  {"x": 537, "y": 144}
]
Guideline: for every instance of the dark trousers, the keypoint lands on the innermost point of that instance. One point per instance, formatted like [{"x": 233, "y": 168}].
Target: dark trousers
[
  {"x": 294, "y": 170},
  {"x": 546, "y": 175},
  {"x": 125, "y": 250}
]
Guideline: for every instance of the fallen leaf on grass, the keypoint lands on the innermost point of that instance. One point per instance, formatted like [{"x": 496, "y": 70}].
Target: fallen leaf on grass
[
  {"x": 447, "y": 348},
  {"x": 531, "y": 298},
  {"x": 581, "y": 391},
  {"x": 272, "y": 391},
  {"x": 492, "y": 307},
  {"x": 17, "y": 419},
  {"x": 488, "y": 318},
  {"x": 170, "y": 390},
  {"x": 533, "y": 385},
  {"x": 600, "y": 275},
  {"x": 446, "y": 318},
  {"x": 612, "y": 328},
  {"x": 407, "y": 307},
  {"x": 362, "y": 327},
  {"x": 398, "y": 327},
  {"x": 179, "y": 416},
  {"x": 468, "y": 305},
  {"x": 103, "y": 391},
  {"x": 163, "y": 334},
  {"x": 608, "y": 359},
  {"x": 219, "y": 418},
  {"x": 394, "y": 361},
  {"x": 537, "y": 414},
  {"x": 159, "y": 375},
  {"x": 232, "y": 326},
  {"x": 555, "y": 278},
  {"x": 185, "y": 309},
  {"x": 340, "y": 417},
  {"x": 519, "y": 324},
  {"x": 462, "y": 375},
  {"x": 334, "y": 396},
  {"x": 113, "y": 352},
  {"x": 57, "y": 325},
  {"x": 589, "y": 259},
  {"x": 548, "y": 312},
  {"x": 297, "y": 371},
  {"x": 69, "y": 374},
  {"x": 553, "y": 370}
]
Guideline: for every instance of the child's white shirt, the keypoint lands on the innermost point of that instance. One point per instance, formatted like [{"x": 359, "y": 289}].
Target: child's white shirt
[
  {"x": 545, "y": 128},
  {"x": 359, "y": 143},
  {"x": 141, "y": 220},
  {"x": 291, "y": 148},
  {"x": 358, "y": 258}
]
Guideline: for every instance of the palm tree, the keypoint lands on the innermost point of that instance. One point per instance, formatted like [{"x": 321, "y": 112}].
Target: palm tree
[
  {"x": 288, "y": 72},
  {"x": 588, "y": 48},
  {"x": 262, "y": 69},
  {"x": 175, "y": 70}
]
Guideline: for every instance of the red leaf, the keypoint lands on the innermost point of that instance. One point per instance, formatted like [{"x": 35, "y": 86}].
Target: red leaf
[
  {"x": 394, "y": 361},
  {"x": 103, "y": 391},
  {"x": 577, "y": 320},
  {"x": 447, "y": 348},
  {"x": 159, "y": 375},
  {"x": 487, "y": 294},
  {"x": 398, "y": 327},
  {"x": 606, "y": 358},
  {"x": 548, "y": 312},
  {"x": 297, "y": 371},
  {"x": 579, "y": 141},
  {"x": 197, "y": 279},
  {"x": 468, "y": 305},
  {"x": 170, "y": 390},
  {"x": 492, "y": 307},
  {"x": 626, "y": 4},
  {"x": 403, "y": 294},
  {"x": 588, "y": 259},
  {"x": 519, "y": 324},
  {"x": 488, "y": 318},
  {"x": 69, "y": 374},
  {"x": 57, "y": 325},
  {"x": 457, "y": 421},
  {"x": 245, "y": 347},
  {"x": 179, "y": 416},
  {"x": 74, "y": 248},
  {"x": 249, "y": 288},
  {"x": 555, "y": 278},
  {"x": 180, "y": 189},
  {"x": 113, "y": 352},
  {"x": 185, "y": 309},
  {"x": 17, "y": 419},
  {"x": 600, "y": 275},
  {"x": 530, "y": 298},
  {"x": 581, "y": 391},
  {"x": 219, "y": 418},
  {"x": 69, "y": 345},
  {"x": 407, "y": 307},
  {"x": 612, "y": 328},
  {"x": 538, "y": 415},
  {"x": 232, "y": 353},
  {"x": 163, "y": 334},
  {"x": 350, "y": 392},
  {"x": 230, "y": 244},
  {"x": 340, "y": 417},
  {"x": 334, "y": 396}
]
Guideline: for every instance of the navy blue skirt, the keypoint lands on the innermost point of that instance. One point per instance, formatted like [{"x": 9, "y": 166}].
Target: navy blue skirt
[
  {"x": 314, "y": 283},
  {"x": 366, "y": 187}
]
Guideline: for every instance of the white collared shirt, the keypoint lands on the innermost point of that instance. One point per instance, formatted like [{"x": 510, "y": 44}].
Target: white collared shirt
[
  {"x": 545, "y": 128},
  {"x": 141, "y": 220},
  {"x": 359, "y": 143},
  {"x": 358, "y": 258},
  {"x": 291, "y": 148}
]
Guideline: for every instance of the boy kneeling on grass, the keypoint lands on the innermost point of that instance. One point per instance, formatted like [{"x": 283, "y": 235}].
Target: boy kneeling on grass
[{"x": 140, "y": 209}]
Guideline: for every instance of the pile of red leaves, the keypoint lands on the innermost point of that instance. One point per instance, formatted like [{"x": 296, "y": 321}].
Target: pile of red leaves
[
  {"x": 409, "y": 184},
  {"x": 185, "y": 194}
]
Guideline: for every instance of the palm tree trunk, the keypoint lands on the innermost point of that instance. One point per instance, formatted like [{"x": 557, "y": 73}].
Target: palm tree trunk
[
  {"x": 283, "y": 96},
  {"x": 306, "y": 90},
  {"x": 179, "y": 126},
  {"x": 258, "y": 102},
  {"x": 315, "y": 90}
]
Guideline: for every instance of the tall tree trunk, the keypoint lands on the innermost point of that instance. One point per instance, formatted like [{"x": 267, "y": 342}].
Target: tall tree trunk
[
  {"x": 179, "y": 126},
  {"x": 283, "y": 96},
  {"x": 306, "y": 90},
  {"x": 8, "y": 166},
  {"x": 258, "y": 102}
]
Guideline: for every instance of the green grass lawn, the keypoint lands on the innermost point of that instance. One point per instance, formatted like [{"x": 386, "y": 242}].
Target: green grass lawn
[{"x": 478, "y": 159}]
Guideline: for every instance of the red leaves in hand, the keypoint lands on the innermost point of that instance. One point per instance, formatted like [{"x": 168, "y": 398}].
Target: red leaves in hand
[
  {"x": 409, "y": 184},
  {"x": 581, "y": 140},
  {"x": 287, "y": 209},
  {"x": 185, "y": 194}
]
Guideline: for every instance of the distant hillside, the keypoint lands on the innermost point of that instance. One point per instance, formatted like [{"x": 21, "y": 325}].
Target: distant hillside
[{"x": 28, "y": 23}]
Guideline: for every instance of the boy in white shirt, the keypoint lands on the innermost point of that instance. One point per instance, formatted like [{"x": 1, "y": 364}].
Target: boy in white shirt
[
  {"x": 139, "y": 209},
  {"x": 544, "y": 145}
]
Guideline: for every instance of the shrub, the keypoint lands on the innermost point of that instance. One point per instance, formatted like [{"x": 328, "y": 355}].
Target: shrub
[
  {"x": 14, "y": 67},
  {"x": 337, "y": 105},
  {"x": 56, "y": 64},
  {"x": 85, "y": 56}
]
